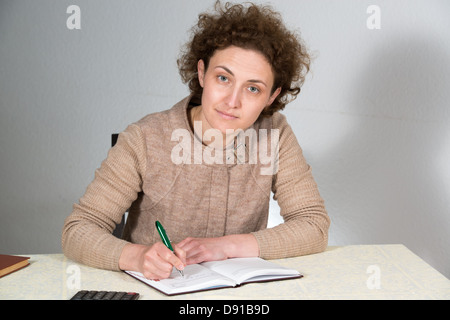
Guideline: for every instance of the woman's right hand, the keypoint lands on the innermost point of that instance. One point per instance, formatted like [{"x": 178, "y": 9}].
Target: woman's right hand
[{"x": 155, "y": 262}]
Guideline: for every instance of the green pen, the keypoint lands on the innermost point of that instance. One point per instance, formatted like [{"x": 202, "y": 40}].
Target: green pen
[{"x": 165, "y": 239}]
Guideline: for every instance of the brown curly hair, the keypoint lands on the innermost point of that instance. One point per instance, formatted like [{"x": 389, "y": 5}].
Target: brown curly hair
[{"x": 253, "y": 27}]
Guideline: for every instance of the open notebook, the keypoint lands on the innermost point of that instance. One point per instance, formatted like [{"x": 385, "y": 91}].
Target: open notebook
[{"x": 219, "y": 274}]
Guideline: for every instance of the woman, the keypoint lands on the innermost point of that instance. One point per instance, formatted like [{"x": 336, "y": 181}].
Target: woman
[{"x": 193, "y": 166}]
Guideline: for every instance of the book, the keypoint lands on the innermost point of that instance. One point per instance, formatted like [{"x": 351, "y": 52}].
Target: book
[
  {"x": 10, "y": 263},
  {"x": 219, "y": 274}
]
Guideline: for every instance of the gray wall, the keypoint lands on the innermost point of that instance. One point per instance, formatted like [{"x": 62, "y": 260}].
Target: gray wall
[{"x": 373, "y": 117}]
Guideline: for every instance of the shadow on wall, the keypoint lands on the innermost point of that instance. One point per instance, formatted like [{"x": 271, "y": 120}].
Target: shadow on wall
[{"x": 393, "y": 166}]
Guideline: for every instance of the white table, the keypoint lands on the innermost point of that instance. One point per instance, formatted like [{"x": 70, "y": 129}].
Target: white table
[{"x": 349, "y": 272}]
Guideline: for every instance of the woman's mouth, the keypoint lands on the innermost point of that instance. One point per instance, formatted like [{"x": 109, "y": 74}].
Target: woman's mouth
[{"x": 226, "y": 116}]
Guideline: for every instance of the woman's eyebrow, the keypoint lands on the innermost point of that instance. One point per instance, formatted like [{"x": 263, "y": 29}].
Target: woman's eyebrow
[
  {"x": 251, "y": 80},
  {"x": 226, "y": 69}
]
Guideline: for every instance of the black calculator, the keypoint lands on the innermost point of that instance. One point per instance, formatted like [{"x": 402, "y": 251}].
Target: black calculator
[{"x": 105, "y": 295}]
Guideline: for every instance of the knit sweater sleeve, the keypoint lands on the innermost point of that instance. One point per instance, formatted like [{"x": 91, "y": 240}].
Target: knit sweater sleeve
[
  {"x": 87, "y": 232},
  {"x": 306, "y": 223}
]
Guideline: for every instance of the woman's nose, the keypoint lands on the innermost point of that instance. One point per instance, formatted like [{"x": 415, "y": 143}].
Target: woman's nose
[{"x": 233, "y": 99}]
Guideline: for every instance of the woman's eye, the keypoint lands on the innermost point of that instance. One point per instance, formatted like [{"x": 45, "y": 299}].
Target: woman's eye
[
  {"x": 253, "y": 89},
  {"x": 222, "y": 78}
]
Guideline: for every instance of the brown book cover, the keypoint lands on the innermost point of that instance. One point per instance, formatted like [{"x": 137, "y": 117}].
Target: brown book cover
[{"x": 10, "y": 263}]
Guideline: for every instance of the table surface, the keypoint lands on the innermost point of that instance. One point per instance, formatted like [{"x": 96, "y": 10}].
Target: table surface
[{"x": 348, "y": 272}]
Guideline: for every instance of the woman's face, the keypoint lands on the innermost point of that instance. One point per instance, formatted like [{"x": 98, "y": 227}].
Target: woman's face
[{"x": 237, "y": 86}]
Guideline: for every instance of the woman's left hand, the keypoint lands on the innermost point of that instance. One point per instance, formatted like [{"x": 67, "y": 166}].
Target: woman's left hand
[{"x": 213, "y": 249}]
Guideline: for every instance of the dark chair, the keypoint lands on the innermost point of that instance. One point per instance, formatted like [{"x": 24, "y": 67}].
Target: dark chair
[{"x": 119, "y": 228}]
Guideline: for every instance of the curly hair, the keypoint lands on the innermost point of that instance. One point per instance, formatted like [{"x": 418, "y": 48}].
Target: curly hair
[{"x": 253, "y": 27}]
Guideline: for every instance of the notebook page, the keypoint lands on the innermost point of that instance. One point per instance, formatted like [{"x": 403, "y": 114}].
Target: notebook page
[
  {"x": 196, "y": 277},
  {"x": 243, "y": 269}
]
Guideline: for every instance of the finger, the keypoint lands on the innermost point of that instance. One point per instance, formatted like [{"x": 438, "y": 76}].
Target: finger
[
  {"x": 181, "y": 254},
  {"x": 195, "y": 248},
  {"x": 197, "y": 254},
  {"x": 174, "y": 261},
  {"x": 197, "y": 258},
  {"x": 184, "y": 242},
  {"x": 191, "y": 246},
  {"x": 169, "y": 256},
  {"x": 155, "y": 264},
  {"x": 157, "y": 270}
]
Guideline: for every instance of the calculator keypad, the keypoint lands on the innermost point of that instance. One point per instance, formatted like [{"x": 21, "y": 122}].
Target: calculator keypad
[{"x": 105, "y": 295}]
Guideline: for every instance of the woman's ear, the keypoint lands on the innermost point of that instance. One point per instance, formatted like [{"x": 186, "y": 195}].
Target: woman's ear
[
  {"x": 201, "y": 72},
  {"x": 273, "y": 96}
]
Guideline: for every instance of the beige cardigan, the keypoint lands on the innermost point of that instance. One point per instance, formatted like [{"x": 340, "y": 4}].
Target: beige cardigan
[{"x": 194, "y": 199}]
